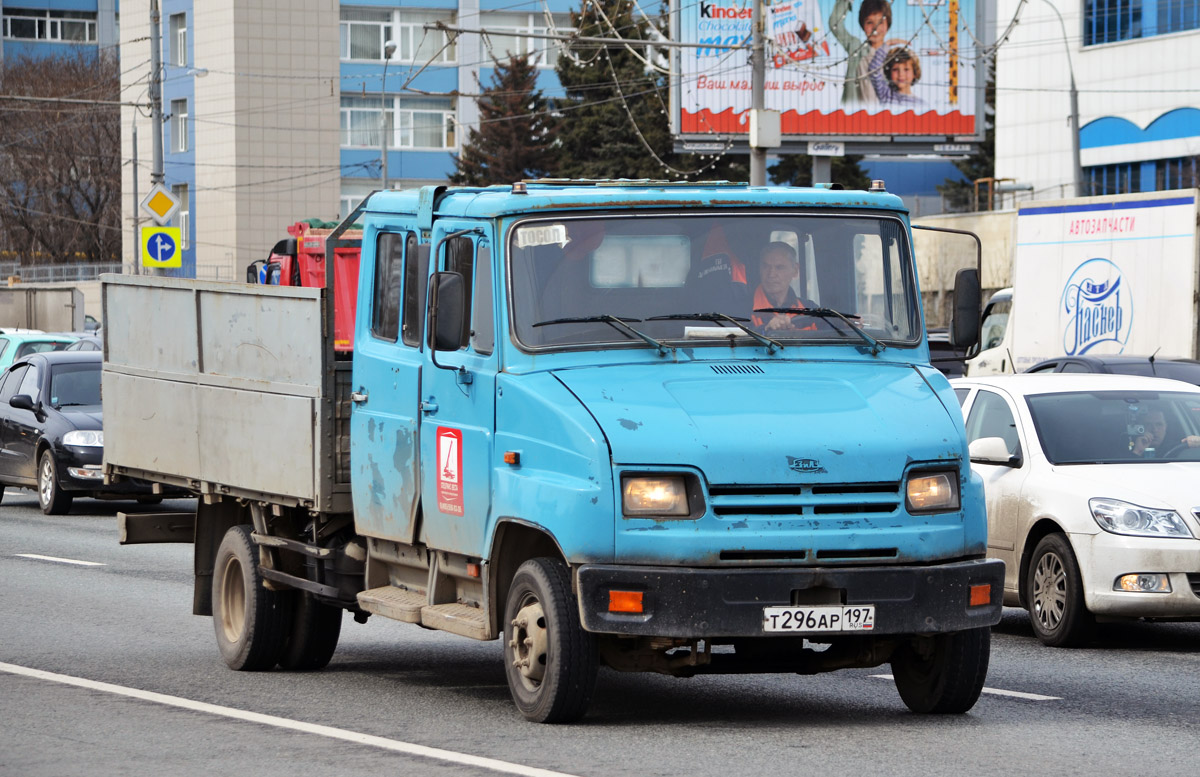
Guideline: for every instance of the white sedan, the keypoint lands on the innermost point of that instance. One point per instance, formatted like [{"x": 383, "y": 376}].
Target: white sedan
[{"x": 1093, "y": 493}]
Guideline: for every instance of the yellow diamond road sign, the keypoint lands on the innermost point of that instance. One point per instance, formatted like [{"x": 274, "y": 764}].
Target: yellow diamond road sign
[{"x": 160, "y": 204}]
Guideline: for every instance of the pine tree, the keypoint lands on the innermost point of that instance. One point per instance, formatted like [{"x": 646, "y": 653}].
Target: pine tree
[
  {"x": 796, "y": 170},
  {"x": 614, "y": 119},
  {"x": 611, "y": 96},
  {"x": 514, "y": 140}
]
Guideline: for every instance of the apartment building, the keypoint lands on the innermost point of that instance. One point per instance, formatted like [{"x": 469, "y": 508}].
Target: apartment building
[{"x": 275, "y": 111}]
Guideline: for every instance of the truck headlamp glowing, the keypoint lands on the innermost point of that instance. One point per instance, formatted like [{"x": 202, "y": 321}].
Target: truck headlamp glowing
[
  {"x": 1119, "y": 517},
  {"x": 662, "y": 495},
  {"x": 932, "y": 492},
  {"x": 84, "y": 439}
]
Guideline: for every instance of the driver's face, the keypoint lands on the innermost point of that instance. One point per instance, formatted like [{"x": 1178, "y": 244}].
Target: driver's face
[{"x": 778, "y": 271}]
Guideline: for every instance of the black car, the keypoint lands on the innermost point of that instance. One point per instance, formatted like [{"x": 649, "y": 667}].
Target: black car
[
  {"x": 1187, "y": 370},
  {"x": 50, "y": 431}
]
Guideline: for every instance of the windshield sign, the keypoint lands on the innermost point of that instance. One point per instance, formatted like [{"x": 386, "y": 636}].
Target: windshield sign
[
  {"x": 1117, "y": 427},
  {"x": 666, "y": 281}
]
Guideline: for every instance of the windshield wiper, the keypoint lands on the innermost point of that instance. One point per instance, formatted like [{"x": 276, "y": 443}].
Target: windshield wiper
[
  {"x": 619, "y": 324},
  {"x": 875, "y": 345},
  {"x": 76, "y": 404},
  {"x": 718, "y": 318}
]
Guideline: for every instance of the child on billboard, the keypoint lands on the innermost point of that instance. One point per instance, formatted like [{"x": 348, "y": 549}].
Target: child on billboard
[{"x": 863, "y": 57}]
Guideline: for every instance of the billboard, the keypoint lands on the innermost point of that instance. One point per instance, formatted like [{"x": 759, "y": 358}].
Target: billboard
[{"x": 845, "y": 70}]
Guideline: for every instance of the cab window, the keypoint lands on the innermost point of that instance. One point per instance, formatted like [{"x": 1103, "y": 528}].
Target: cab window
[
  {"x": 990, "y": 416},
  {"x": 460, "y": 258},
  {"x": 483, "y": 327},
  {"x": 389, "y": 265}
]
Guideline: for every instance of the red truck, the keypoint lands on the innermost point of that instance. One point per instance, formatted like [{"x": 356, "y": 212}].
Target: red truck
[{"x": 300, "y": 261}]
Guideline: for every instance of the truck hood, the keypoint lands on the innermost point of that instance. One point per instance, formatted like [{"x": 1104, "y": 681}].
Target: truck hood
[{"x": 759, "y": 423}]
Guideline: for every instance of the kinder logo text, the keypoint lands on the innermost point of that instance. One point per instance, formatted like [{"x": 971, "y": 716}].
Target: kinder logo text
[
  {"x": 710, "y": 11},
  {"x": 1097, "y": 308}
]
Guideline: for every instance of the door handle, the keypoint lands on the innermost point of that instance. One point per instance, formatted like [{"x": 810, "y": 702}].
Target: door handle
[
  {"x": 358, "y": 397},
  {"x": 430, "y": 407}
]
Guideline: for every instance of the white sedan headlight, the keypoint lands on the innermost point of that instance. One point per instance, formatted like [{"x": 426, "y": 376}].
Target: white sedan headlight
[
  {"x": 84, "y": 439},
  {"x": 1119, "y": 517}
]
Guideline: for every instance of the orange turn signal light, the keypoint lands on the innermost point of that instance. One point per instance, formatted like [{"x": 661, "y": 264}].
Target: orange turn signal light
[
  {"x": 512, "y": 457},
  {"x": 472, "y": 569},
  {"x": 981, "y": 595},
  {"x": 625, "y": 601}
]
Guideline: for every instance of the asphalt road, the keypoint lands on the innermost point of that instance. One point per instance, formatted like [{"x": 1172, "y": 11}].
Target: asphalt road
[{"x": 104, "y": 671}]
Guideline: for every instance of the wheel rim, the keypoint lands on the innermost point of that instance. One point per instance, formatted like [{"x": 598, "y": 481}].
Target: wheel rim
[
  {"x": 1049, "y": 591},
  {"x": 529, "y": 643},
  {"x": 233, "y": 600},
  {"x": 46, "y": 486}
]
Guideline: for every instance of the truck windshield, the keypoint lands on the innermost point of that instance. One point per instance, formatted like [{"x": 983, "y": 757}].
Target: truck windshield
[{"x": 672, "y": 278}]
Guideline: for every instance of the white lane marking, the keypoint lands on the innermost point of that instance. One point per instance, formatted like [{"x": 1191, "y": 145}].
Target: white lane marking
[
  {"x": 55, "y": 559},
  {"x": 294, "y": 725},
  {"x": 999, "y": 692}
]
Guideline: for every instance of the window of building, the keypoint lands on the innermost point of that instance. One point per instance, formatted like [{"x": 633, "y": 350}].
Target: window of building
[
  {"x": 1177, "y": 173},
  {"x": 364, "y": 31},
  {"x": 542, "y": 52},
  {"x": 1112, "y": 179},
  {"x": 177, "y": 25},
  {"x": 1105, "y": 21},
  {"x": 417, "y": 122},
  {"x": 184, "y": 215},
  {"x": 179, "y": 125},
  {"x": 38, "y": 24}
]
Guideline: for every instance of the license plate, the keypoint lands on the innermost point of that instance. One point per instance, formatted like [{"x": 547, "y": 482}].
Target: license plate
[{"x": 859, "y": 617}]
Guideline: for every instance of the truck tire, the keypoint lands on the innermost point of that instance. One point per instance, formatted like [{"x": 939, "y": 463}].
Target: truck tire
[
  {"x": 550, "y": 661},
  {"x": 316, "y": 627},
  {"x": 944, "y": 673},
  {"x": 250, "y": 621},
  {"x": 1055, "y": 589},
  {"x": 51, "y": 497}
]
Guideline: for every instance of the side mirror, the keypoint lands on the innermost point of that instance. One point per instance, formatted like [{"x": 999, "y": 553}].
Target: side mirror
[
  {"x": 964, "y": 326},
  {"x": 447, "y": 299},
  {"x": 23, "y": 402},
  {"x": 992, "y": 450}
]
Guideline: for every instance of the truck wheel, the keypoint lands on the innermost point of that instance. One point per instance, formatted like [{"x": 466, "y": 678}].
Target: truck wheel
[
  {"x": 551, "y": 662},
  {"x": 944, "y": 673},
  {"x": 51, "y": 497},
  {"x": 316, "y": 627},
  {"x": 1056, "y": 606},
  {"x": 251, "y": 622}
]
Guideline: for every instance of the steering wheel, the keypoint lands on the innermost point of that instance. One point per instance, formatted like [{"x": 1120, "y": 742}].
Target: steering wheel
[{"x": 1174, "y": 451}]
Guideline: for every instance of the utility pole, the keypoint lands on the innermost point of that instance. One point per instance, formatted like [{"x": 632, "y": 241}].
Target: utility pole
[
  {"x": 758, "y": 85},
  {"x": 136, "y": 199},
  {"x": 389, "y": 48},
  {"x": 1077, "y": 173},
  {"x": 156, "y": 171}
]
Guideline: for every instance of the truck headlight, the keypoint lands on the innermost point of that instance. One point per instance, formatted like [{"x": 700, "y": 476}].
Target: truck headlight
[
  {"x": 1119, "y": 517},
  {"x": 84, "y": 439},
  {"x": 932, "y": 492},
  {"x": 658, "y": 495}
]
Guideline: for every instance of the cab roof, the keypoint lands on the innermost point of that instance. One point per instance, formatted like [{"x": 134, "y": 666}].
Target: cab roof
[{"x": 528, "y": 197}]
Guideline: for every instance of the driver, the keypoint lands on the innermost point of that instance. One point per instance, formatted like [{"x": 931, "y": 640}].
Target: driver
[
  {"x": 777, "y": 268},
  {"x": 1148, "y": 445}
]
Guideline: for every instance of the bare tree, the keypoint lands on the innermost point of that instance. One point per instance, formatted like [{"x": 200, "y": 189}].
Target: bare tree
[{"x": 60, "y": 162}]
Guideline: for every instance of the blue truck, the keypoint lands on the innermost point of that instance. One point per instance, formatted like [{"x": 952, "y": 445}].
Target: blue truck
[{"x": 675, "y": 428}]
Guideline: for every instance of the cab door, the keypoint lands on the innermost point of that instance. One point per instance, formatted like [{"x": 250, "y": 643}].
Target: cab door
[
  {"x": 386, "y": 382},
  {"x": 458, "y": 408}
]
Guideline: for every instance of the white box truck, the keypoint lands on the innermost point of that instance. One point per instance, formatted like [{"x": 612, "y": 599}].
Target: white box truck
[{"x": 1097, "y": 275}]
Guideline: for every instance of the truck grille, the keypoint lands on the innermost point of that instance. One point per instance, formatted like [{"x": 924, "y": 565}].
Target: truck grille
[
  {"x": 1194, "y": 582},
  {"x": 730, "y": 501}
]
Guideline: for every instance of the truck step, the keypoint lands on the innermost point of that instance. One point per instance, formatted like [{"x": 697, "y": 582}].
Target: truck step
[
  {"x": 392, "y": 602},
  {"x": 460, "y": 619}
]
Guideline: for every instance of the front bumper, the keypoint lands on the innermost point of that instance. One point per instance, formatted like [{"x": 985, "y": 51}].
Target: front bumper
[
  {"x": 1104, "y": 557},
  {"x": 709, "y": 603}
]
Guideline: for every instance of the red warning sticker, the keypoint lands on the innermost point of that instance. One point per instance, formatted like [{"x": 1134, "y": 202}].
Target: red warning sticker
[{"x": 449, "y": 453}]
